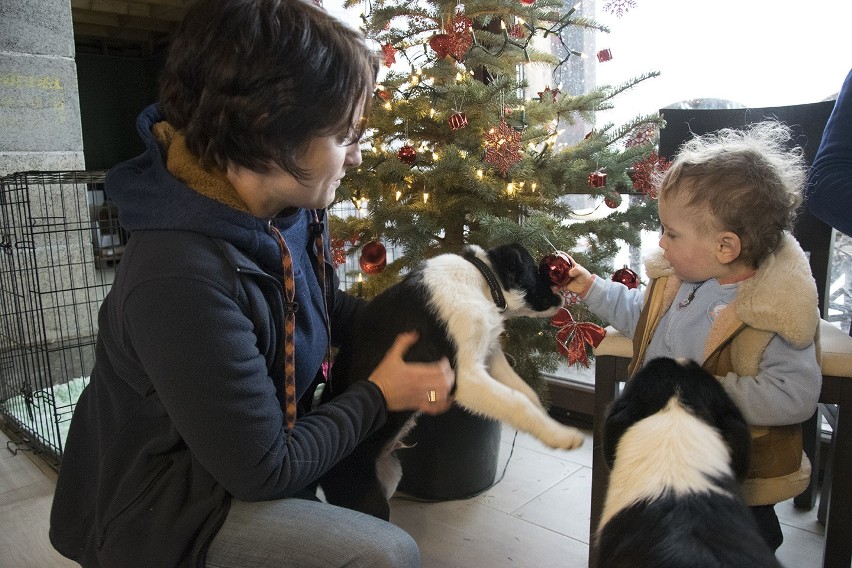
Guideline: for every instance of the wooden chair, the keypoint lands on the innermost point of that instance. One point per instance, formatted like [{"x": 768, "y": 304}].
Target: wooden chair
[{"x": 615, "y": 351}]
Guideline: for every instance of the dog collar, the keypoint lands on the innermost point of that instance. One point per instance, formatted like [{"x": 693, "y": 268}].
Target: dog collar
[{"x": 488, "y": 274}]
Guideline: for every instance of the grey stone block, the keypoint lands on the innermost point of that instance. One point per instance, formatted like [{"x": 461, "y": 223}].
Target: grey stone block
[
  {"x": 13, "y": 162},
  {"x": 37, "y": 27},
  {"x": 39, "y": 105}
]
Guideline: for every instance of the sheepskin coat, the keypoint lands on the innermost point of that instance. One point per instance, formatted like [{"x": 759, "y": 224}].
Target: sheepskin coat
[{"x": 780, "y": 299}]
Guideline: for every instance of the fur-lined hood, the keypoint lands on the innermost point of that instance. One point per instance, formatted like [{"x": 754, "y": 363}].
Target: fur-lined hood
[{"x": 780, "y": 280}]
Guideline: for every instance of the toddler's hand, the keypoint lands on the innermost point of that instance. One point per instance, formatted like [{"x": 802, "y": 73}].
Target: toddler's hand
[{"x": 581, "y": 279}]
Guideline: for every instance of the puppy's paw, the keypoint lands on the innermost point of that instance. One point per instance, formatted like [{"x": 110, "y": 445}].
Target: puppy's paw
[{"x": 565, "y": 438}]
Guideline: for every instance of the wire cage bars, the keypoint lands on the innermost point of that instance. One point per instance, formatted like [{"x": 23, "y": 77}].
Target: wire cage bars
[{"x": 59, "y": 243}]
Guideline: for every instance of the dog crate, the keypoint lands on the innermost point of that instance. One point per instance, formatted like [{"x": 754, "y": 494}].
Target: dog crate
[{"x": 59, "y": 244}]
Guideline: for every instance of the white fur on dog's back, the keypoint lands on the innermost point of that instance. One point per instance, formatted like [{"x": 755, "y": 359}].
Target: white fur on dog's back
[{"x": 672, "y": 451}]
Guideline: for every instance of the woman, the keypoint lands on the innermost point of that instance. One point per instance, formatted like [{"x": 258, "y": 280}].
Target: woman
[{"x": 184, "y": 449}]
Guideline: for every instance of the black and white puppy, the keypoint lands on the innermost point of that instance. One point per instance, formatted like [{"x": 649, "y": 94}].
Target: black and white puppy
[
  {"x": 678, "y": 449},
  {"x": 457, "y": 309}
]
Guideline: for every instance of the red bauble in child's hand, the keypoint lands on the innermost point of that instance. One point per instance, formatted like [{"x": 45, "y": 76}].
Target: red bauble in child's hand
[{"x": 555, "y": 267}]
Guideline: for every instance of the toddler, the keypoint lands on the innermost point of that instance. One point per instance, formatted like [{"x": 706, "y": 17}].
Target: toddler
[{"x": 732, "y": 289}]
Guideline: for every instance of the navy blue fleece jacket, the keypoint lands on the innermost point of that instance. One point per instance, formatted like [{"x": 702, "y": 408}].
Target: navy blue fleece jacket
[{"x": 184, "y": 407}]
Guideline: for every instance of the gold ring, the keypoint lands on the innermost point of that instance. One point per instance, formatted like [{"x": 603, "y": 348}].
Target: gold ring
[{"x": 432, "y": 396}]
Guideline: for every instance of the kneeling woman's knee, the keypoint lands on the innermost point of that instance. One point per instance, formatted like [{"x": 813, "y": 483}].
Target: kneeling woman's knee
[{"x": 394, "y": 548}]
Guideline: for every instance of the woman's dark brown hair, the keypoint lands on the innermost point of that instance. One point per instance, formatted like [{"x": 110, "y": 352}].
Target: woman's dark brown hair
[{"x": 250, "y": 82}]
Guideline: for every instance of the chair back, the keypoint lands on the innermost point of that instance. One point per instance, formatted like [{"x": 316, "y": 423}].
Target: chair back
[{"x": 807, "y": 121}]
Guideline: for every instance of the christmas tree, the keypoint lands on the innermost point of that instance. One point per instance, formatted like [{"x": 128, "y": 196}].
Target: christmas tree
[{"x": 460, "y": 151}]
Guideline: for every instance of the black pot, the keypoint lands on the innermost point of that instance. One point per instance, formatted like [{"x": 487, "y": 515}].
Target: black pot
[{"x": 454, "y": 456}]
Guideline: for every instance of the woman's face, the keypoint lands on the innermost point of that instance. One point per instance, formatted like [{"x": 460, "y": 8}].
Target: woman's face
[{"x": 325, "y": 159}]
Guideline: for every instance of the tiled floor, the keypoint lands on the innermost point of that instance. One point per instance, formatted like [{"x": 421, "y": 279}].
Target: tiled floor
[{"x": 537, "y": 516}]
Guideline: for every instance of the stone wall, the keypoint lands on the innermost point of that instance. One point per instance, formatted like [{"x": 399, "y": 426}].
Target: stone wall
[{"x": 39, "y": 102}]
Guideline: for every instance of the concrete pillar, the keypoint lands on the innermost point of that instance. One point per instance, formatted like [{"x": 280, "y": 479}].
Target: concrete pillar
[
  {"x": 48, "y": 279},
  {"x": 39, "y": 102}
]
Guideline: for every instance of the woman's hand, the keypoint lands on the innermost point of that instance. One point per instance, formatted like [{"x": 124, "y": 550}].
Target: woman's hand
[{"x": 413, "y": 386}]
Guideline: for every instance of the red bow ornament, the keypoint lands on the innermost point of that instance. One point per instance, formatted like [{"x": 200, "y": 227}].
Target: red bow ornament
[{"x": 573, "y": 336}]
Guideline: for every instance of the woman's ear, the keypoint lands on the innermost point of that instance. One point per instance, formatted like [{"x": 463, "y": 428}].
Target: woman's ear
[{"x": 728, "y": 247}]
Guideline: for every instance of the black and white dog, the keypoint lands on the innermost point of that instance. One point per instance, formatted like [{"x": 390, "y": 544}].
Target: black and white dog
[
  {"x": 457, "y": 304},
  {"x": 678, "y": 449}
]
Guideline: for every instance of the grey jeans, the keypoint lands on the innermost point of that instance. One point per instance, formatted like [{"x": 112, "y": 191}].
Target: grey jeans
[{"x": 297, "y": 533}]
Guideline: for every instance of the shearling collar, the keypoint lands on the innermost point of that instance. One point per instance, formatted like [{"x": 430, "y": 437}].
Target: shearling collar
[
  {"x": 184, "y": 165},
  {"x": 780, "y": 298}
]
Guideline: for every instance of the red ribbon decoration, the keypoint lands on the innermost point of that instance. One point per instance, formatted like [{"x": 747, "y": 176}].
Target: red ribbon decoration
[{"x": 573, "y": 336}]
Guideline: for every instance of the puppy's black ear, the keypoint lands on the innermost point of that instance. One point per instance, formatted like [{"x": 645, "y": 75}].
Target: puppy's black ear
[{"x": 510, "y": 263}]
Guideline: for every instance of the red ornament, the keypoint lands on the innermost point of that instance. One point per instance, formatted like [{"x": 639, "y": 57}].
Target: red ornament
[
  {"x": 517, "y": 31},
  {"x": 338, "y": 251},
  {"x": 597, "y": 179},
  {"x": 383, "y": 94},
  {"x": 503, "y": 147},
  {"x": 646, "y": 174},
  {"x": 627, "y": 277},
  {"x": 527, "y": 2},
  {"x": 389, "y": 54},
  {"x": 555, "y": 267},
  {"x": 407, "y": 154},
  {"x": 548, "y": 94},
  {"x": 613, "y": 200},
  {"x": 460, "y": 36},
  {"x": 374, "y": 257},
  {"x": 604, "y": 55},
  {"x": 642, "y": 135},
  {"x": 440, "y": 43},
  {"x": 458, "y": 120},
  {"x": 573, "y": 337}
]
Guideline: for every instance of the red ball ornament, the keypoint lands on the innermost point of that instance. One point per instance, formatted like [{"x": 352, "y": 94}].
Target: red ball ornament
[
  {"x": 441, "y": 45},
  {"x": 613, "y": 200},
  {"x": 555, "y": 267},
  {"x": 374, "y": 257},
  {"x": 527, "y": 2},
  {"x": 517, "y": 31},
  {"x": 458, "y": 120},
  {"x": 627, "y": 277},
  {"x": 597, "y": 179},
  {"x": 407, "y": 154}
]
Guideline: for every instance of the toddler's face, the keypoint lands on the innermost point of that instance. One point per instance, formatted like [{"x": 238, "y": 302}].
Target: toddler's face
[{"x": 690, "y": 251}]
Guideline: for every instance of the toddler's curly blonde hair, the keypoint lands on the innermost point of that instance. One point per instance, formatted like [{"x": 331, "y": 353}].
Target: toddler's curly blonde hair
[{"x": 748, "y": 181}]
